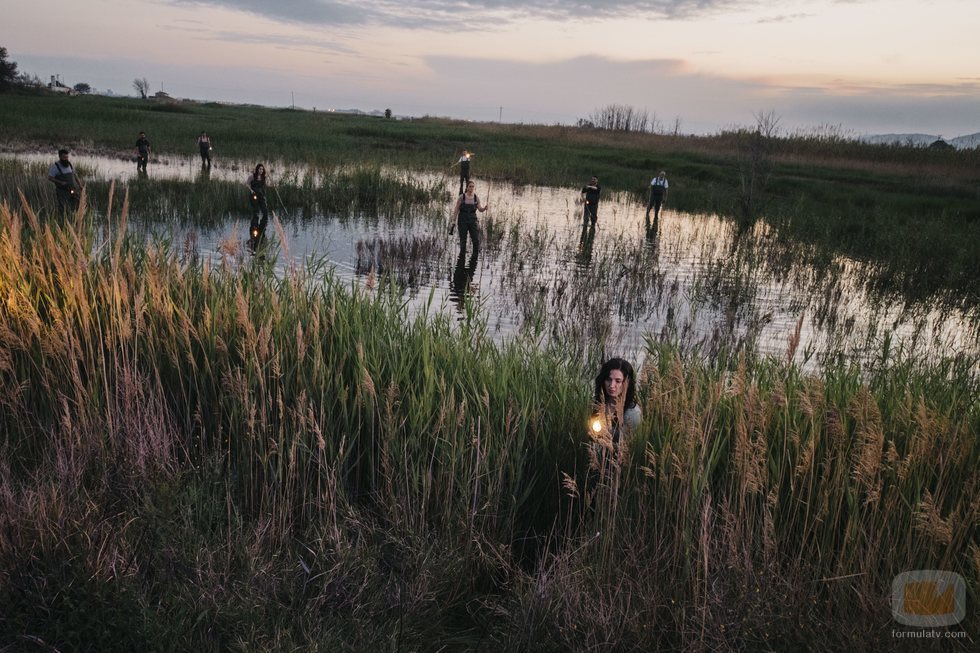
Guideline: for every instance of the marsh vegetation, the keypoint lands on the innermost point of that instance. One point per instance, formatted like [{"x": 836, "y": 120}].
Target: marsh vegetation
[{"x": 339, "y": 444}]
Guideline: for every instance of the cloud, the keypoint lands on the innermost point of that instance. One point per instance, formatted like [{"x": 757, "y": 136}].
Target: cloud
[
  {"x": 448, "y": 14},
  {"x": 784, "y": 18},
  {"x": 286, "y": 41}
]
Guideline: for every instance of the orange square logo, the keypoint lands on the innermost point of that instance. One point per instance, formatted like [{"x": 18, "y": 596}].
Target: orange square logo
[{"x": 928, "y": 597}]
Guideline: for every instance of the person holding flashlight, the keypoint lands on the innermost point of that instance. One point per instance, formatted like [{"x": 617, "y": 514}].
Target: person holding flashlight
[
  {"x": 68, "y": 187},
  {"x": 464, "y": 215},
  {"x": 590, "y": 197},
  {"x": 256, "y": 184},
  {"x": 615, "y": 398}
]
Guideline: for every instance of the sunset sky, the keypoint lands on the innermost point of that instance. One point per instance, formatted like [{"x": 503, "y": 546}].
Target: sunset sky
[{"x": 868, "y": 66}]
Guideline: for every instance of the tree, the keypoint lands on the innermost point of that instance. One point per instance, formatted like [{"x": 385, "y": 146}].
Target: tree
[
  {"x": 83, "y": 88},
  {"x": 754, "y": 153},
  {"x": 387, "y": 113},
  {"x": 142, "y": 86},
  {"x": 619, "y": 117},
  {"x": 8, "y": 71}
]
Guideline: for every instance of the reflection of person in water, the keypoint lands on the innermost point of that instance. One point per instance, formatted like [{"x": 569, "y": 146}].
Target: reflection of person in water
[
  {"x": 459, "y": 283},
  {"x": 617, "y": 412},
  {"x": 585, "y": 242}
]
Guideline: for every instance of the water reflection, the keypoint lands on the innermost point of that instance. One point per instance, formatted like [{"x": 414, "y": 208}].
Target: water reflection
[
  {"x": 586, "y": 242},
  {"x": 461, "y": 283},
  {"x": 696, "y": 280}
]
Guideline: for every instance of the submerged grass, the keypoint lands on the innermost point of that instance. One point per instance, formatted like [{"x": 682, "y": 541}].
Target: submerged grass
[{"x": 222, "y": 457}]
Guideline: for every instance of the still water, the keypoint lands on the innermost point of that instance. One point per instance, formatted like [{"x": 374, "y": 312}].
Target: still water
[{"x": 690, "y": 279}]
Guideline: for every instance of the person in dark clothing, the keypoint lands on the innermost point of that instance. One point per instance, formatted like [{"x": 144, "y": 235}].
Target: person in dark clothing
[
  {"x": 464, "y": 169},
  {"x": 142, "y": 152},
  {"x": 68, "y": 187},
  {"x": 205, "y": 146},
  {"x": 465, "y": 216},
  {"x": 658, "y": 195},
  {"x": 257, "y": 185},
  {"x": 590, "y": 197}
]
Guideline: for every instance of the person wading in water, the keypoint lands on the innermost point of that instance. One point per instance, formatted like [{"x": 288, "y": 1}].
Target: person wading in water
[
  {"x": 658, "y": 195},
  {"x": 68, "y": 187},
  {"x": 142, "y": 153},
  {"x": 590, "y": 196},
  {"x": 464, "y": 169},
  {"x": 257, "y": 184},
  {"x": 464, "y": 214},
  {"x": 204, "y": 145}
]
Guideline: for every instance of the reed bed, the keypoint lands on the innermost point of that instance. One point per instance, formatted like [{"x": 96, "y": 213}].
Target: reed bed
[
  {"x": 339, "y": 192},
  {"x": 212, "y": 454}
]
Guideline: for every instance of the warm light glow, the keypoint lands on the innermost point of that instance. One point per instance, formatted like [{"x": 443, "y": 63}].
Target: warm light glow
[{"x": 596, "y": 425}]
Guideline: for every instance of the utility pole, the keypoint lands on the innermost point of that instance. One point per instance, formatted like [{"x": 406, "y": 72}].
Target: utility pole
[
  {"x": 293, "y": 96},
  {"x": 500, "y": 116}
]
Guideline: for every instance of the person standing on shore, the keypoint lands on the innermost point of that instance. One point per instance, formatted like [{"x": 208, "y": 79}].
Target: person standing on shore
[
  {"x": 142, "y": 152},
  {"x": 590, "y": 197},
  {"x": 205, "y": 146},
  {"x": 66, "y": 182},
  {"x": 658, "y": 195}
]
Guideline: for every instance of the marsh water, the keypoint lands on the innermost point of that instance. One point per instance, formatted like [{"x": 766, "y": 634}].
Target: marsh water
[{"x": 695, "y": 280}]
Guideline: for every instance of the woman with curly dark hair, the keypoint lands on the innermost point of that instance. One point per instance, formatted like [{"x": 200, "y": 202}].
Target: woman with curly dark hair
[{"x": 615, "y": 398}]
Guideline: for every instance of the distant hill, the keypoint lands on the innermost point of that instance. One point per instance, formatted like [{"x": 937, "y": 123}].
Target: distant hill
[
  {"x": 922, "y": 140},
  {"x": 966, "y": 142}
]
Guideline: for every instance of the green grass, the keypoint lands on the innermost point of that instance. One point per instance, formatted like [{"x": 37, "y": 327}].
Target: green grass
[
  {"x": 915, "y": 211},
  {"x": 233, "y": 460}
]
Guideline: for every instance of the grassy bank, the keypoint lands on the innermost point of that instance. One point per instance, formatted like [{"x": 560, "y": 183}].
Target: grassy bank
[
  {"x": 232, "y": 460},
  {"x": 914, "y": 210}
]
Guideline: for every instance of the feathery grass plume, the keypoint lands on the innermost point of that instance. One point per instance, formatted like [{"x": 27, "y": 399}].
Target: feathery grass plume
[
  {"x": 870, "y": 444},
  {"x": 794, "y": 341},
  {"x": 929, "y": 521},
  {"x": 569, "y": 485}
]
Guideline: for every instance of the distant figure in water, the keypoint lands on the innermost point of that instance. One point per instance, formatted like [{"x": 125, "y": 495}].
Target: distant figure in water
[
  {"x": 142, "y": 152},
  {"x": 256, "y": 185},
  {"x": 67, "y": 185},
  {"x": 464, "y": 169},
  {"x": 205, "y": 146},
  {"x": 615, "y": 399},
  {"x": 658, "y": 195},
  {"x": 464, "y": 213},
  {"x": 590, "y": 197}
]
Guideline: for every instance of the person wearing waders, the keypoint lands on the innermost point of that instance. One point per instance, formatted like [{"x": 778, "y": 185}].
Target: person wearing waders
[
  {"x": 658, "y": 194},
  {"x": 256, "y": 185},
  {"x": 142, "y": 152},
  {"x": 590, "y": 197},
  {"x": 464, "y": 169},
  {"x": 204, "y": 144},
  {"x": 68, "y": 188},
  {"x": 465, "y": 215}
]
